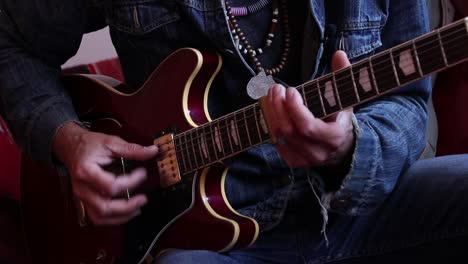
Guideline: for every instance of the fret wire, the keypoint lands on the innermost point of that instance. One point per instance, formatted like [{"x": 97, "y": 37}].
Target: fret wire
[
  {"x": 205, "y": 143},
  {"x": 193, "y": 150},
  {"x": 457, "y": 55},
  {"x": 198, "y": 160},
  {"x": 303, "y": 95},
  {"x": 354, "y": 83},
  {"x": 371, "y": 68},
  {"x": 359, "y": 69},
  {"x": 387, "y": 81},
  {"x": 394, "y": 68},
  {"x": 344, "y": 82},
  {"x": 431, "y": 48},
  {"x": 315, "y": 105},
  {"x": 243, "y": 130},
  {"x": 220, "y": 138},
  {"x": 200, "y": 148},
  {"x": 442, "y": 48},
  {"x": 246, "y": 129},
  {"x": 228, "y": 135},
  {"x": 384, "y": 61},
  {"x": 190, "y": 150},
  {"x": 257, "y": 124},
  {"x": 454, "y": 55},
  {"x": 233, "y": 133},
  {"x": 321, "y": 98},
  {"x": 250, "y": 117},
  {"x": 212, "y": 135},
  {"x": 427, "y": 61},
  {"x": 385, "y": 77},
  {"x": 444, "y": 30},
  {"x": 326, "y": 101},
  {"x": 238, "y": 133},
  {"x": 417, "y": 59},
  {"x": 187, "y": 153},
  {"x": 182, "y": 156},
  {"x": 336, "y": 90}
]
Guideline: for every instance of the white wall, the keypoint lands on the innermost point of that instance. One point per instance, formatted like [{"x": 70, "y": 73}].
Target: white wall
[{"x": 95, "y": 46}]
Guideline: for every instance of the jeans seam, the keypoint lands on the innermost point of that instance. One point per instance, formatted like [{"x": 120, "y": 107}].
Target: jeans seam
[{"x": 406, "y": 245}]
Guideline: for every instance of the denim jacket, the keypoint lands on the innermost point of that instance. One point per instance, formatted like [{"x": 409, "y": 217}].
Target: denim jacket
[{"x": 37, "y": 36}]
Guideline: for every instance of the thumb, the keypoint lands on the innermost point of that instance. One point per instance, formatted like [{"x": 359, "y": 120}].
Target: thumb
[
  {"x": 132, "y": 151},
  {"x": 340, "y": 60},
  {"x": 344, "y": 117}
]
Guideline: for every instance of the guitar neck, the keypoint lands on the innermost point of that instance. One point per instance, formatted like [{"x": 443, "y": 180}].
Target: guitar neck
[{"x": 327, "y": 95}]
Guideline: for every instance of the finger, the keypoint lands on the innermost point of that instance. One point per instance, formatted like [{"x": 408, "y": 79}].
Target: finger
[
  {"x": 109, "y": 208},
  {"x": 306, "y": 152},
  {"x": 113, "y": 220},
  {"x": 293, "y": 159},
  {"x": 282, "y": 121},
  {"x": 270, "y": 115},
  {"x": 340, "y": 60},
  {"x": 121, "y": 148},
  {"x": 304, "y": 121},
  {"x": 94, "y": 176},
  {"x": 344, "y": 118},
  {"x": 102, "y": 208},
  {"x": 128, "y": 182}
]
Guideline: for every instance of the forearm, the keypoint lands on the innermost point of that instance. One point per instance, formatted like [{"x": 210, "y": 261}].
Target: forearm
[
  {"x": 33, "y": 99},
  {"x": 34, "y": 102},
  {"x": 390, "y": 132},
  {"x": 389, "y": 138}
]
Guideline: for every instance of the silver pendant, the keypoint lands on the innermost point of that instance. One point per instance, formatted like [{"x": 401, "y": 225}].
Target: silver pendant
[{"x": 258, "y": 86}]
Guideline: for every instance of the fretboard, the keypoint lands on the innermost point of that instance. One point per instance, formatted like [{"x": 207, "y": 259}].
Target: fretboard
[{"x": 349, "y": 87}]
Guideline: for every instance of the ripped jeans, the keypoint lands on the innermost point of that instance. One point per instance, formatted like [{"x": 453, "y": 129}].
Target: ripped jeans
[{"x": 424, "y": 219}]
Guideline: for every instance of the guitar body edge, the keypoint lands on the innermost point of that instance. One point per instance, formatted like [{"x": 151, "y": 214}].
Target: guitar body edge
[{"x": 53, "y": 232}]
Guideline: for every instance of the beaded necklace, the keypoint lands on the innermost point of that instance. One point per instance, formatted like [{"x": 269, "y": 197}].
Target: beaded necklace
[
  {"x": 253, "y": 53},
  {"x": 250, "y": 9}
]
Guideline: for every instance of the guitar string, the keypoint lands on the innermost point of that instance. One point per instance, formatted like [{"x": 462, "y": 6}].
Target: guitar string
[
  {"x": 385, "y": 71},
  {"x": 375, "y": 64},
  {"x": 410, "y": 46},
  {"x": 193, "y": 140},
  {"x": 344, "y": 83},
  {"x": 213, "y": 136},
  {"x": 419, "y": 50}
]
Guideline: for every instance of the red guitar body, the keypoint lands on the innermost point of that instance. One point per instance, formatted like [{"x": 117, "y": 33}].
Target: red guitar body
[
  {"x": 191, "y": 211},
  {"x": 192, "y": 214}
]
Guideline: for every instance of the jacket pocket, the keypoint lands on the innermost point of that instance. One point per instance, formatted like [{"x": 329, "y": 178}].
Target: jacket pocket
[
  {"x": 360, "y": 38},
  {"x": 141, "y": 16}
]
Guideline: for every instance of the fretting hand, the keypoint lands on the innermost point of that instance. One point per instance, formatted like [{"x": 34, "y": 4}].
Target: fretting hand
[{"x": 306, "y": 141}]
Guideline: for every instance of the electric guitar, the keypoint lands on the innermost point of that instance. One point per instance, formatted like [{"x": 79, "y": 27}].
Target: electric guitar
[{"x": 188, "y": 208}]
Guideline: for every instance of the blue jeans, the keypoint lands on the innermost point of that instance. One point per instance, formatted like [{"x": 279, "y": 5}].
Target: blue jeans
[{"x": 426, "y": 217}]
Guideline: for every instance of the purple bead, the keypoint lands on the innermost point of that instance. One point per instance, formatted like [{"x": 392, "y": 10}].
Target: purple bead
[{"x": 239, "y": 11}]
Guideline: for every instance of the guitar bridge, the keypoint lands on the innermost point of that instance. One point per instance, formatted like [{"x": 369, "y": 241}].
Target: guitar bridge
[{"x": 168, "y": 167}]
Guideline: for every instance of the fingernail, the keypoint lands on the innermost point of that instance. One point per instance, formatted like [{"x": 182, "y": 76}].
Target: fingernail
[
  {"x": 142, "y": 202},
  {"x": 152, "y": 147},
  {"x": 290, "y": 93},
  {"x": 342, "y": 118}
]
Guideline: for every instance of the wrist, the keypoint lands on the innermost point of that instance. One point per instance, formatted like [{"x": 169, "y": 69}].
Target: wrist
[{"x": 67, "y": 136}]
